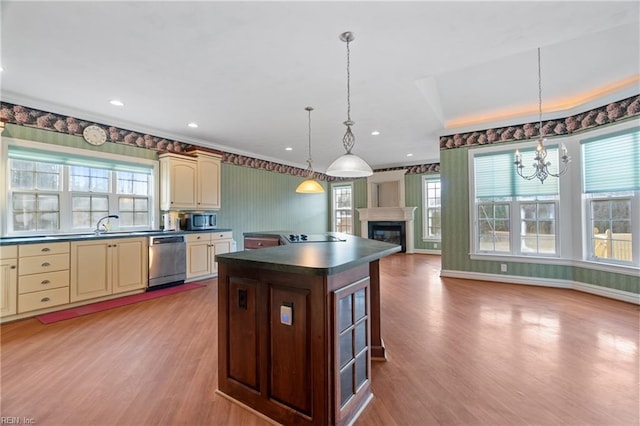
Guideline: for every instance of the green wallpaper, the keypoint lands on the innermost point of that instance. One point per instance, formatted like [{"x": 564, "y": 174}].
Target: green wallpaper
[
  {"x": 454, "y": 176},
  {"x": 260, "y": 200},
  {"x": 62, "y": 139}
]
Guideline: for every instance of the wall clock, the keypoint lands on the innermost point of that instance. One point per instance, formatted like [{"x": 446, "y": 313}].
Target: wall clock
[{"x": 95, "y": 135}]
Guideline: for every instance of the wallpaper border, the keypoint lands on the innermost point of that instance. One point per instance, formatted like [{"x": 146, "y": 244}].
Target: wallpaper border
[
  {"x": 35, "y": 118},
  {"x": 614, "y": 112}
]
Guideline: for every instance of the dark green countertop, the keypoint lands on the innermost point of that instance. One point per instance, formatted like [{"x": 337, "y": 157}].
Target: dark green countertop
[
  {"x": 37, "y": 239},
  {"x": 314, "y": 258}
]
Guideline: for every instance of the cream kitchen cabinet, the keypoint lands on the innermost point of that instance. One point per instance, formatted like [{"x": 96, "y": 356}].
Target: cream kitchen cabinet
[
  {"x": 201, "y": 252},
  {"x": 190, "y": 183},
  {"x": 43, "y": 276},
  {"x": 104, "y": 267},
  {"x": 178, "y": 182},
  {"x": 8, "y": 280},
  {"x": 208, "y": 181}
]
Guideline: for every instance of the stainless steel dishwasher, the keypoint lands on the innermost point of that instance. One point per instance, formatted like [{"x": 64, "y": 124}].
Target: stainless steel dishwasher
[{"x": 167, "y": 261}]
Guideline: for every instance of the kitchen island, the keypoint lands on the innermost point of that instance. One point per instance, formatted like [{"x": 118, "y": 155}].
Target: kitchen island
[{"x": 298, "y": 326}]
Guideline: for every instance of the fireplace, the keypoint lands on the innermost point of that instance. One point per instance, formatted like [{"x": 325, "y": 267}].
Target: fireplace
[
  {"x": 386, "y": 208},
  {"x": 389, "y": 232}
]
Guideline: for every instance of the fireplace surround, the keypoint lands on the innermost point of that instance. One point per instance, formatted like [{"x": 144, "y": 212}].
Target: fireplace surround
[{"x": 386, "y": 203}]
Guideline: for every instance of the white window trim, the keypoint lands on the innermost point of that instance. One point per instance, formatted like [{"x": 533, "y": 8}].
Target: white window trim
[
  {"x": 425, "y": 219},
  {"x": 5, "y": 143},
  {"x": 573, "y": 235}
]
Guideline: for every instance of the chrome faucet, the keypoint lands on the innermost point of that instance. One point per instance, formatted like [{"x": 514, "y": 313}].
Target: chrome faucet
[{"x": 98, "y": 231}]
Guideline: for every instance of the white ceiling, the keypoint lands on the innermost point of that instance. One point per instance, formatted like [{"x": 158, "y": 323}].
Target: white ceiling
[{"x": 245, "y": 71}]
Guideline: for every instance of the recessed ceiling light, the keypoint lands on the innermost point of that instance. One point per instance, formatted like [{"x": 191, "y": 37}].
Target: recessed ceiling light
[
  {"x": 116, "y": 102},
  {"x": 409, "y": 155},
  {"x": 375, "y": 133},
  {"x": 288, "y": 148},
  {"x": 1, "y": 69},
  {"x": 193, "y": 125}
]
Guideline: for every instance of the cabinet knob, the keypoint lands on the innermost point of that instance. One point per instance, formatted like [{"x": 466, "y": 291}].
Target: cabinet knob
[
  {"x": 46, "y": 249},
  {"x": 13, "y": 266},
  {"x": 45, "y": 299},
  {"x": 45, "y": 264},
  {"x": 45, "y": 282},
  {"x": 259, "y": 244}
]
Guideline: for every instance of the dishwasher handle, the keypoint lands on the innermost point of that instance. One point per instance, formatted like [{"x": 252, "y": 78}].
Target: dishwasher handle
[{"x": 166, "y": 240}]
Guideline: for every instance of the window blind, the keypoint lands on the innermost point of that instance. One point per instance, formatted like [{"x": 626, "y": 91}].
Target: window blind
[
  {"x": 496, "y": 177},
  {"x": 25, "y": 154},
  {"x": 612, "y": 163}
]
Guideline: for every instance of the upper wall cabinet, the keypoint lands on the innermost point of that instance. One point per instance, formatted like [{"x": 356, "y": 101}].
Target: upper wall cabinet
[
  {"x": 208, "y": 181},
  {"x": 190, "y": 183}
]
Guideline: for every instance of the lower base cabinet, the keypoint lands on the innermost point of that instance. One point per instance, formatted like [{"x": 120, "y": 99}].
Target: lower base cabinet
[
  {"x": 8, "y": 280},
  {"x": 103, "y": 267},
  {"x": 43, "y": 276},
  {"x": 202, "y": 249}
]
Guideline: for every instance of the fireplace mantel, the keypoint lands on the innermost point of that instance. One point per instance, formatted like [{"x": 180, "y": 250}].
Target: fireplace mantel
[
  {"x": 378, "y": 214},
  {"x": 387, "y": 213}
]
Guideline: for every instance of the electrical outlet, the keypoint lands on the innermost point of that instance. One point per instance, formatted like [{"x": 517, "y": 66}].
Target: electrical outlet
[
  {"x": 503, "y": 267},
  {"x": 435, "y": 245}
]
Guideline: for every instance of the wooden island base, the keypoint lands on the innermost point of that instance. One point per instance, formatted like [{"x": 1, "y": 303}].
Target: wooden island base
[{"x": 296, "y": 339}]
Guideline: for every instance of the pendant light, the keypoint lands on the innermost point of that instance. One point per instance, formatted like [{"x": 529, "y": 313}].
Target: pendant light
[
  {"x": 309, "y": 186},
  {"x": 349, "y": 165},
  {"x": 541, "y": 165}
]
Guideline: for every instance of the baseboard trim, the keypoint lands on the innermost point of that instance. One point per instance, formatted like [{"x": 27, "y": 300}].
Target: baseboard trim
[
  {"x": 427, "y": 251},
  {"x": 611, "y": 293}
]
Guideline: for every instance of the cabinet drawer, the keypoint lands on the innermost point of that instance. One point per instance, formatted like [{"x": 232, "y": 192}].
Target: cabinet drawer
[
  {"x": 40, "y": 264},
  {"x": 192, "y": 238},
  {"x": 45, "y": 281},
  {"x": 222, "y": 235},
  {"x": 43, "y": 299},
  {"x": 252, "y": 243},
  {"x": 8, "y": 252},
  {"x": 46, "y": 249}
]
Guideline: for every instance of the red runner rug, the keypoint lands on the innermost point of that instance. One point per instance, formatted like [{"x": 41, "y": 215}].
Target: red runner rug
[{"x": 114, "y": 303}]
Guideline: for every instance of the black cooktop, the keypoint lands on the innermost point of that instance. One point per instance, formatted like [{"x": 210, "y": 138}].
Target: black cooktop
[{"x": 313, "y": 238}]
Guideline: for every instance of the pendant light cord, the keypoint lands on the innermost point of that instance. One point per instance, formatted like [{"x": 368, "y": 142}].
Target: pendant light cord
[
  {"x": 309, "y": 160},
  {"x": 348, "y": 83},
  {"x": 539, "y": 95}
]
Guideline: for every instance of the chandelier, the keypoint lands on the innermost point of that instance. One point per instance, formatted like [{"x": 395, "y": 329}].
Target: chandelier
[
  {"x": 541, "y": 165},
  {"x": 349, "y": 164},
  {"x": 310, "y": 185}
]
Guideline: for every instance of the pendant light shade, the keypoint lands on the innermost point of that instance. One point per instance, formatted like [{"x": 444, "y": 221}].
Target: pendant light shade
[
  {"x": 309, "y": 186},
  {"x": 349, "y": 165}
]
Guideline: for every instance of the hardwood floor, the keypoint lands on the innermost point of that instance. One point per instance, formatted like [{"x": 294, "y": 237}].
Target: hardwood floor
[{"x": 460, "y": 352}]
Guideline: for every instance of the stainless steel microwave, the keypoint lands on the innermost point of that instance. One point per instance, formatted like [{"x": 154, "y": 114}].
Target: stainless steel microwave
[{"x": 198, "y": 221}]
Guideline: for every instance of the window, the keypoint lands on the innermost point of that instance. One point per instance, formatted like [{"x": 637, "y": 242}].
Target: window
[
  {"x": 514, "y": 216},
  {"x": 35, "y": 199},
  {"x": 55, "y": 192},
  {"x": 431, "y": 208},
  {"x": 342, "y": 207},
  {"x": 612, "y": 197}
]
